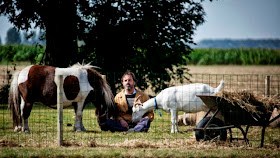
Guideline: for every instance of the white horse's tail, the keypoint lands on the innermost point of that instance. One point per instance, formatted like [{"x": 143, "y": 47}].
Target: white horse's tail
[
  {"x": 14, "y": 100},
  {"x": 220, "y": 87}
]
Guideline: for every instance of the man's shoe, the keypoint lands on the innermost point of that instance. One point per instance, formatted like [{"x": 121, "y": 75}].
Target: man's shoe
[{"x": 131, "y": 130}]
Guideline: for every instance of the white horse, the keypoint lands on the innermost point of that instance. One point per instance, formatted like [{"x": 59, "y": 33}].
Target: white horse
[{"x": 174, "y": 99}]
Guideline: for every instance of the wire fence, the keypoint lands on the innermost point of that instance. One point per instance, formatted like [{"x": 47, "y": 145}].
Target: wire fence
[{"x": 43, "y": 120}]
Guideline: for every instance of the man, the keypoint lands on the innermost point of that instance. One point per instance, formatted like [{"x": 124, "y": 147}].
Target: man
[{"x": 125, "y": 100}]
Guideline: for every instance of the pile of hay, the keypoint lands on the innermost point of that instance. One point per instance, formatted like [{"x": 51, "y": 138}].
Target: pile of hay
[{"x": 250, "y": 102}]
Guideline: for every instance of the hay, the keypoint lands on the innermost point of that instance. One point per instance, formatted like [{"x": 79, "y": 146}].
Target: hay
[{"x": 251, "y": 102}]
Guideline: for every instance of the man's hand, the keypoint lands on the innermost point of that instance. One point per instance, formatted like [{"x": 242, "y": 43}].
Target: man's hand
[{"x": 123, "y": 123}]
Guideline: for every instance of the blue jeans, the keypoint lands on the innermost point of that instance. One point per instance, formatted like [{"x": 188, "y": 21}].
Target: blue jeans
[{"x": 142, "y": 126}]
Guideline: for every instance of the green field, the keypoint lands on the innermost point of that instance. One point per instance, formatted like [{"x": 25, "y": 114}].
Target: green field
[
  {"x": 237, "y": 56},
  {"x": 158, "y": 142}
]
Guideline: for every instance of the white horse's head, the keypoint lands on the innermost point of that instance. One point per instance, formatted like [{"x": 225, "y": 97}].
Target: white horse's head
[{"x": 137, "y": 110}]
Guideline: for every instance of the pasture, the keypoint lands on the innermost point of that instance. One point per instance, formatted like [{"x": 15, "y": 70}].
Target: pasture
[{"x": 158, "y": 142}]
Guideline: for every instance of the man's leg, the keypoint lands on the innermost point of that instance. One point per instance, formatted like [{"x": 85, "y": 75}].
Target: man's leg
[{"x": 142, "y": 126}]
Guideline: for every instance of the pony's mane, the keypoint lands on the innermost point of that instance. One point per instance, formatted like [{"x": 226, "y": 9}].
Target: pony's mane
[
  {"x": 84, "y": 66},
  {"x": 109, "y": 97}
]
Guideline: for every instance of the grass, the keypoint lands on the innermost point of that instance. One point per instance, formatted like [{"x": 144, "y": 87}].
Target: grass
[
  {"x": 158, "y": 142},
  {"x": 43, "y": 125},
  {"x": 135, "y": 152}
]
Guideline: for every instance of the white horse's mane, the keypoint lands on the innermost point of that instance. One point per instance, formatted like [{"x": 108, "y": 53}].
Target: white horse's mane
[{"x": 83, "y": 66}]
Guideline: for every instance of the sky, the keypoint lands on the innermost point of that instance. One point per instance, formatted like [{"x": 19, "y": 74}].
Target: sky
[
  {"x": 226, "y": 19},
  {"x": 240, "y": 19}
]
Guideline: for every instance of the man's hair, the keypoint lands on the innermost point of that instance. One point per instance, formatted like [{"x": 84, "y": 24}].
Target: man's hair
[{"x": 130, "y": 73}]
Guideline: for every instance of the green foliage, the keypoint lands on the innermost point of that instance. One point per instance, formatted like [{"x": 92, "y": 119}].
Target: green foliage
[
  {"x": 21, "y": 53},
  {"x": 241, "y": 56},
  {"x": 146, "y": 37}
]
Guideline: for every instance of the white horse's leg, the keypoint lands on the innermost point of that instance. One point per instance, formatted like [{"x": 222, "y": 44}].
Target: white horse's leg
[
  {"x": 19, "y": 126},
  {"x": 79, "y": 115},
  {"x": 25, "y": 127},
  {"x": 174, "y": 124}
]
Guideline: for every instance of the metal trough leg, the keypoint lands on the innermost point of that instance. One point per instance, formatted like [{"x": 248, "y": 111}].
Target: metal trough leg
[
  {"x": 216, "y": 112},
  {"x": 262, "y": 140},
  {"x": 207, "y": 113},
  {"x": 230, "y": 134},
  {"x": 244, "y": 133}
]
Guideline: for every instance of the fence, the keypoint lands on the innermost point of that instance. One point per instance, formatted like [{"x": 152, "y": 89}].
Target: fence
[{"x": 44, "y": 127}]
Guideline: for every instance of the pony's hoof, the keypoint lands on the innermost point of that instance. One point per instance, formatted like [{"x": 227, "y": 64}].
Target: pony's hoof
[
  {"x": 17, "y": 129},
  {"x": 77, "y": 129},
  {"x": 26, "y": 131}
]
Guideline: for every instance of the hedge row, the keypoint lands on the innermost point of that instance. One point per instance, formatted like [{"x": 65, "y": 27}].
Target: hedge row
[
  {"x": 241, "y": 56},
  {"x": 21, "y": 53}
]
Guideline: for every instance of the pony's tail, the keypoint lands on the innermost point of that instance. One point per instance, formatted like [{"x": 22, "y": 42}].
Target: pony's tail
[
  {"x": 14, "y": 100},
  {"x": 220, "y": 87}
]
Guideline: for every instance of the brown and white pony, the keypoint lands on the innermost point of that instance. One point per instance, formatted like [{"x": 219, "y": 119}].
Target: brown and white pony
[{"x": 38, "y": 83}]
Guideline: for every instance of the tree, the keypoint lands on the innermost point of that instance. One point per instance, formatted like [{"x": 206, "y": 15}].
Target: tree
[
  {"x": 13, "y": 36},
  {"x": 0, "y": 41},
  {"x": 148, "y": 37},
  {"x": 145, "y": 36},
  {"x": 56, "y": 17}
]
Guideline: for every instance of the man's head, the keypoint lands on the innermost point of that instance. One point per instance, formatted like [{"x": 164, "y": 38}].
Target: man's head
[{"x": 129, "y": 81}]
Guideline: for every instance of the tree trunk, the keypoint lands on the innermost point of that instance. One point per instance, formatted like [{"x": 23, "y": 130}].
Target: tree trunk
[{"x": 61, "y": 33}]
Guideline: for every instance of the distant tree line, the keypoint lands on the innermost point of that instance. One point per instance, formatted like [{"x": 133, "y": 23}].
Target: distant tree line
[
  {"x": 246, "y": 43},
  {"x": 34, "y": 37}
]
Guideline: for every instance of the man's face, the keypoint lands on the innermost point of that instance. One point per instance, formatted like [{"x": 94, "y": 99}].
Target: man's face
[{"x": 128, "y": 82}]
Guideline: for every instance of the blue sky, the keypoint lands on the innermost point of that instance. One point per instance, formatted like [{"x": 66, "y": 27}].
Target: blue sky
[
  {"x": 230, "y": 19},
  {"x": 240, "y": 19}
]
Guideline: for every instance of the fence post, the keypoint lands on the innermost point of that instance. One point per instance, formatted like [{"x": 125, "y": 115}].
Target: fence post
[
  {"x": 267, "y": 86},
  {"x": 60, "y": 111}
]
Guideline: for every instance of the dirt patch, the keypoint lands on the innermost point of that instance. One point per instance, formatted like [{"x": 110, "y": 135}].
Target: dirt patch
[
  {"x": 186, "y": 144},
  {"x": 8, "y": 143}
]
